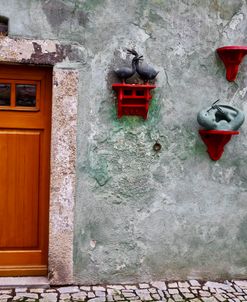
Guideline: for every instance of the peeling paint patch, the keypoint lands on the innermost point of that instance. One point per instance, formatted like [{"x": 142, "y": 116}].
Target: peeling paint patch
[
  {"x": 40, "y": 57},
  {"x": 33, "y": 51},
  {"x": 243, "y": 92},
  {"x": 236, "y": 20}
]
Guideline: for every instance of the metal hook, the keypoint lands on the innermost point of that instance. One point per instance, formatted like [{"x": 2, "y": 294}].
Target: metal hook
[{"x": 212, "y": 106}]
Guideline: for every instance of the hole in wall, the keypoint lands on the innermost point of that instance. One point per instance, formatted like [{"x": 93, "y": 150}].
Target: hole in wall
[
  {"x": 157, "y": 147},
  {"x": 4, "y": 25}
]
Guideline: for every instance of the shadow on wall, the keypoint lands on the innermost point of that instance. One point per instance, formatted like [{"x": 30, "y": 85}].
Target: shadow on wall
[{"x": 4, "y": 24}]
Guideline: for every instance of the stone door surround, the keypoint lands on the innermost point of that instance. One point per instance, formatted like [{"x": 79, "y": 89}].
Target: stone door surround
[{"x": 63, "y": 144}]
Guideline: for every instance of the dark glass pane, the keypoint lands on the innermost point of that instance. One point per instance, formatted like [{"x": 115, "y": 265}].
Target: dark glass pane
[
  {"x": 5, "y": 94},
  {"x": 139, "y": 92},
  {"x": 127, "y": 92},
  {"x": 26, "y": 95}
]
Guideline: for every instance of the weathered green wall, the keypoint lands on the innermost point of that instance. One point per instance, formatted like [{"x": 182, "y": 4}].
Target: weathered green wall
[{"x": 142, "y": 215}]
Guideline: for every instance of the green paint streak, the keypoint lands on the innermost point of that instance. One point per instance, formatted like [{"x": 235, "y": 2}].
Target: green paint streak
[
  {"x": 154, "y": 112},
  {"x": 200, "y": 148},
  {"x": 89, "y": 5},
  {"x": 97, "y": 167},
  {"x": 154, "y": 18},
  {"x": 137, "y": 121}
]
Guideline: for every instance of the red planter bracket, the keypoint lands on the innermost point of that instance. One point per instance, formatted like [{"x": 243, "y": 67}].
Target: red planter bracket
[
  {"x": 215, "y": 140},
  {"x": 232, "y": 57},
  {"x": 133, "y": 99}
]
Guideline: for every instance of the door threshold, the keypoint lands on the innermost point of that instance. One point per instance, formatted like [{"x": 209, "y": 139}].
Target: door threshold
[{"x": 30, "y": 282}]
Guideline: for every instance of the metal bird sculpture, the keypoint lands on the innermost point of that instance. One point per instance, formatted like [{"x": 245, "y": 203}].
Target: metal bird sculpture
[
  {"x": 126, "y": 72},
  {"x": 132, "y": 52},
  {"x": 146, "y": 72}
]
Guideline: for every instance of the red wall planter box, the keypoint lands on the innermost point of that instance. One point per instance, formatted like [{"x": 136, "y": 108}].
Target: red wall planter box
[
  {"x": 215, "y": 140},
  {"x": 232, "y": 57},
  {"x": 133, "y": 99}
]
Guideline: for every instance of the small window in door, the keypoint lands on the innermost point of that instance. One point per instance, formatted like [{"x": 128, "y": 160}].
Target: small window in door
[
  {"x": 5, "y": 94},
  {"x": 25, "y": 95},
  {"x": 19, "y": 95}
]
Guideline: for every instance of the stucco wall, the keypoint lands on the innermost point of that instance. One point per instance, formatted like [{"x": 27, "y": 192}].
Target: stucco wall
[{"x": 142, "y": 215}]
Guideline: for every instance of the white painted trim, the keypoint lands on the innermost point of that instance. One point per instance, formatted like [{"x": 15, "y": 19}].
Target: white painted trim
[{"x": 30, "y": 282}]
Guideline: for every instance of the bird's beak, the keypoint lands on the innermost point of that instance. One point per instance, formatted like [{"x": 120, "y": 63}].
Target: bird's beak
[{"x": 132, "y": 51}]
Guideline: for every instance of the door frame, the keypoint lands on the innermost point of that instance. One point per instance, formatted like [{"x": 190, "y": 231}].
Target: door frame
[{"x": 63, "y": 144}]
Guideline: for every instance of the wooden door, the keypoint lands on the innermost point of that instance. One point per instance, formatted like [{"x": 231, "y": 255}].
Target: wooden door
[{"x": 25, "y": 122}]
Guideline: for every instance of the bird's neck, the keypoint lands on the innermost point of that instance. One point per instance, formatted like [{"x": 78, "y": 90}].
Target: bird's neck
[
  {"x": 137, "y": 63},
  {"x": 134, "y": 65}
]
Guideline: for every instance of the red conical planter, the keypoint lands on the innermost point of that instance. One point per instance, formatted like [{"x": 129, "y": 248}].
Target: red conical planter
[
  {"x": 215, "y": 140},
  {"x": 232, "y": 57}
]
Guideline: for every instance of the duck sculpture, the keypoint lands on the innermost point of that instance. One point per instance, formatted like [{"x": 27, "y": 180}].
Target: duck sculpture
[
  {"x": 126, "y": 72},
  {"x": 146, "y": 72}
]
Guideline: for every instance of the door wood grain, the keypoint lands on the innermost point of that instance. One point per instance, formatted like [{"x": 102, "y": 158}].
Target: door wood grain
[{"x": 25, "y": 171}]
